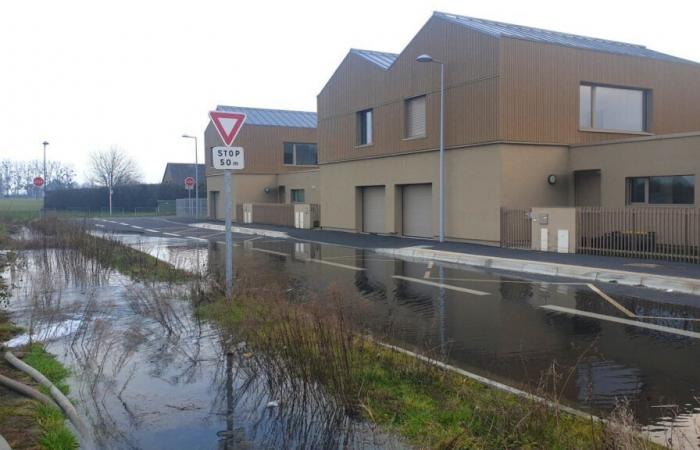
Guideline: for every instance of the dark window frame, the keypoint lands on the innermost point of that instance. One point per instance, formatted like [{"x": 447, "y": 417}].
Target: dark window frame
[
  {"x": 293, "y": 146},
  {"x": 292, "y": 193},
  {"x": 647, "y": 102},
  {"x": 648, "y": 180},
  {"x": 364, "y": 134}
]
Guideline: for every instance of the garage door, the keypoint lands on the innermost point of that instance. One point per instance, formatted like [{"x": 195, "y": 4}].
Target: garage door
[
  {"x": 373, "y": 209},
  {"x": 418, "y": 210}
]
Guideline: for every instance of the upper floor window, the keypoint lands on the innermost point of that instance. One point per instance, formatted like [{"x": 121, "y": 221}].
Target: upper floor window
[
  {"x": 415, "y": 117},
  {"x": 664, "y": 190},
  {"x": 612, "y": 109},
  {"x": 364, "y": 127},
  {"x": 298, "y": 154}
]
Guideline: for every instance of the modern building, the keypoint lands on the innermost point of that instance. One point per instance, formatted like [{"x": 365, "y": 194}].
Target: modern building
[
  {"x": 532, "y": 118},
  {"x": 281, "y": 160},
  {"x": 175, "y": 173}
]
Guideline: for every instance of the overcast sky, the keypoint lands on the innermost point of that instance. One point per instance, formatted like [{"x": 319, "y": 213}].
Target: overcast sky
[{"x": 85, "y": 75}]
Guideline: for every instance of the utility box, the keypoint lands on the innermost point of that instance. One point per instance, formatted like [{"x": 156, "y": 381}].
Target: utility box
[
  {"x": 302, "y": 216},
  {"x": 554, "y": 229},
  {"x": 247, "y": 213}
]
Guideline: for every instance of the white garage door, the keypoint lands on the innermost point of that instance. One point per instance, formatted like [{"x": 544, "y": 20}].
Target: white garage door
[
  {"x": 418, "y": 210},
  {"x": 373, "y": 209}
]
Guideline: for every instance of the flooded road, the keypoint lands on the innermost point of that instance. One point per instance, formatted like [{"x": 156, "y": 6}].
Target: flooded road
[
  {"x": 593, "y": 344},
  {"x": 148, "y": 374}
]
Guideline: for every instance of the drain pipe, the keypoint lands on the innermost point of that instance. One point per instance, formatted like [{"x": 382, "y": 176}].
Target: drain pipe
[
  {"x": 3, "y": 444},
  {"x": 26, "y": 391},
  {"x": 57, "y": 395}
]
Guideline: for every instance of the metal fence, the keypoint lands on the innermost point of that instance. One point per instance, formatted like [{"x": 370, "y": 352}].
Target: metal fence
[
  {"x": 187, "y": 207},
  {"x": 516, "y": 228},
  {"x": 671, "y": 234}
]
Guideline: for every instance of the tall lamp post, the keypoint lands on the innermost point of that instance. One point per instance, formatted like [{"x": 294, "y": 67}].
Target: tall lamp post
[
  {"x": 196, "y": 174},
  {"x": 45, "y": 143},
  {"x": 424, "y": 58}
]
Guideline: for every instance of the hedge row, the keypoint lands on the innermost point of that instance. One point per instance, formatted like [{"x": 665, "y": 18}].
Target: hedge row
[{"x": 127, "y": 197}]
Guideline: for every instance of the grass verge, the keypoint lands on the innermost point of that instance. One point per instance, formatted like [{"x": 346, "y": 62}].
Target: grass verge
[
  {"x": 319, "y": 345},
  {"x": 68, "y": 235}
]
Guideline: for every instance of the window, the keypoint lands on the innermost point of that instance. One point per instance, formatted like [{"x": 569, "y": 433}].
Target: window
[
  {"x": 614, "y": 109},
  {"x": 297, "y": 154},
  {"x": 666, "y": 190},
  {"x": 364, "y": 127},
  {"x": 297, "y": 195},
  {"x": 415, "y": 117}
]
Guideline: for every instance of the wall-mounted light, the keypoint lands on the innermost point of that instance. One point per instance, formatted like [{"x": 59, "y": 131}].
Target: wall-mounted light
[{"x": 552, "y": 180}]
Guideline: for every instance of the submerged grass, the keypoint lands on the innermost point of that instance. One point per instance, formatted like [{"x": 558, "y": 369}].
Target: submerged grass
[
  {"x": 322, "y": 344},
  {"x": 73, "y": 236}
]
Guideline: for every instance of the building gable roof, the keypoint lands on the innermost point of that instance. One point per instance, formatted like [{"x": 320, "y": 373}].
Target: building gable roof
[
  {"x": 274, "y": 117},
  {"x": 500, "y": 29},
  {"x": 177, "y": 172}
]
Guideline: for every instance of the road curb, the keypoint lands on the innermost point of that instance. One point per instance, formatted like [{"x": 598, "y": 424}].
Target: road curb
[{"x": 661, "y": 282}]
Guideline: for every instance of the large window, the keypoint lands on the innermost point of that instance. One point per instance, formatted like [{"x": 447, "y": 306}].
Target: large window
[
  {"x": 298, "y": 154},
  {"x": 415, "y": 117},
  {"x": 612, "y": 109},
  {"x": 297, "y": 195},
  {"x": 364, "y": 127},
  {"x": 665, "y": 190}
]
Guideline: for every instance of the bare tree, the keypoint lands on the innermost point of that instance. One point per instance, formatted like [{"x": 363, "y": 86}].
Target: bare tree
[{"x": 112, "y": 168}]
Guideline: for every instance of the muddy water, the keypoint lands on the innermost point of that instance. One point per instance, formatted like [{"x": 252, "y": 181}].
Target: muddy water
[
  {"x": 641, "y": 345},
  {"x": 147, "y": 374}
]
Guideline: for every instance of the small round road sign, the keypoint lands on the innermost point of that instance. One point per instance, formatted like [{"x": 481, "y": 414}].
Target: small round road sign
[
  {"x": 189, "y": 182},
  {"x": 38, "y": 182}
]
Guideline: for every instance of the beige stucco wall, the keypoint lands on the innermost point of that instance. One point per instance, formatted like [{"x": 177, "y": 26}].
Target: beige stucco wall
[
  {"x": 308, "y": 181},
  {"x": 246, "y": 189},
  {"x": 250, "y": 188},
  {"x": 525, "y": 169},
  {"x": 479, "y": 180},
  {"x": 661, "y": 155}
]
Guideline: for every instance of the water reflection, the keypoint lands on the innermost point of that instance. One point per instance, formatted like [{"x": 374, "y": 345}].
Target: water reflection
[
  {"x": 504, "y": 334},
  {"x": 147, "y": 373}
]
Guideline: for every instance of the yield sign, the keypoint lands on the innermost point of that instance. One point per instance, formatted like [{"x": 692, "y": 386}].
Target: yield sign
[{"x": 228, "y": 124}]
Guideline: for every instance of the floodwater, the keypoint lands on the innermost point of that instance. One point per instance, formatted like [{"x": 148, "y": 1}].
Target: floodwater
[
  {"x": 593, "y": 345},
  {"x": 149, "y": 375}
]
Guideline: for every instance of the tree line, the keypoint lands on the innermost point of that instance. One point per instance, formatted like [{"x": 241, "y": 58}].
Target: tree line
[{"x": 17, "y": 177}]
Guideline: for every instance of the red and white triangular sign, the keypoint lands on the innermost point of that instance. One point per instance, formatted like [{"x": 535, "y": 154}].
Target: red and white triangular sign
[{"x": 228, "y": 124}]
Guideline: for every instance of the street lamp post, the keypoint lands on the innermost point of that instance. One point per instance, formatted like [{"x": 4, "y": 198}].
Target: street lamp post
[
  {"x": 196, "y": 174},
  {"x": 45, "y": 143},
  {"x": 429, "y": 59}
]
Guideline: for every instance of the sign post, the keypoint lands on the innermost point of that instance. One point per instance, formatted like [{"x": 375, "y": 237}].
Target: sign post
[
  {"x": 228, "y": 158},
  {"x": 189, "y": 185}
]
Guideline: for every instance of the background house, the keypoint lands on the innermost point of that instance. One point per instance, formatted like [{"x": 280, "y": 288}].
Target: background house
[{"x": 281, "y": 160}]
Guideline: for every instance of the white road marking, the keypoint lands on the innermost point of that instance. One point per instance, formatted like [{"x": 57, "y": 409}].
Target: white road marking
[
  {"x": 99, "y": 225},
  {"x": 151, "y": 230},
  {"x": 272, "y": 252},
  {"x": 440, "y": 285},
  {"x": 137, "y": 227},
  {"x": 172, "y": 234},
  {"x": 344, "y": 266},
  {"x": 197, "y": 239},
  {"x": 610, "y": 300},
  {"x": 123, "y": 224},
  {"x": 634, "y": 323},
  {"x": 427, "y": 271}
]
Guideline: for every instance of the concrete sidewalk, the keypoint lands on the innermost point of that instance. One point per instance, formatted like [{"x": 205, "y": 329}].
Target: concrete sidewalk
[{"x": 669, "y": 276}]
